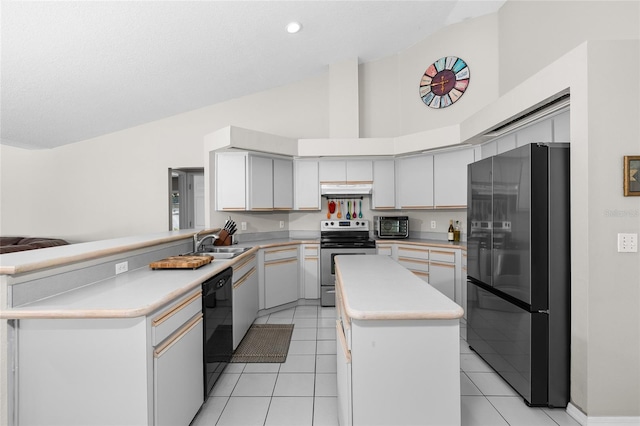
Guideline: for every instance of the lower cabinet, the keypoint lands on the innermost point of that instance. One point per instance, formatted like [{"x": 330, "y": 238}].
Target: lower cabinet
[
  {"x": 245, "y": 297},
  {"x": 112, "y": 371},
  {"x": 442, "y": 276},
  {"x": 440, "y": 267},
  {"x": 176, "y": 333},
  {"x": 280, "y": 276},
  {"x": 177, "y": 376}
]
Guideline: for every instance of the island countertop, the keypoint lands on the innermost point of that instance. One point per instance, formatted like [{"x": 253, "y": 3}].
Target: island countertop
[{"x": 379, "y": 288}]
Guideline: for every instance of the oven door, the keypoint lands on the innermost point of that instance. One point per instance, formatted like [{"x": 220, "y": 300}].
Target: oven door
[{"x": 328, "y": 270}]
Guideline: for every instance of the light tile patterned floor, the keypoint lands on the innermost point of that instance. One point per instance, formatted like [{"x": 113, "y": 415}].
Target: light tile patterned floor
[{"x": 302, "y": 390}]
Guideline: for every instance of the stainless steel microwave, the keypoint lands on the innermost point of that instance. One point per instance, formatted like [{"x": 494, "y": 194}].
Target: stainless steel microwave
[{"x": 391, "y": 226}]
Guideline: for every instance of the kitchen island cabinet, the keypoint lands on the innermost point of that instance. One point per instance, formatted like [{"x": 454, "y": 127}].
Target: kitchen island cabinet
[
  {"x": 398, "y": 346},
  {"x": 144, "y": 370}
]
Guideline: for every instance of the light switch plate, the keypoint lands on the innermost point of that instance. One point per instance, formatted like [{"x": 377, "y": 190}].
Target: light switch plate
[
  {"x": 433, "y": 224},
  {"x": 627, "y": 243}
]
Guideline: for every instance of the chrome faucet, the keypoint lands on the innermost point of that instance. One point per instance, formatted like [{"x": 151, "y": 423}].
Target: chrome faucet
[{"x": 197, "y": 243}]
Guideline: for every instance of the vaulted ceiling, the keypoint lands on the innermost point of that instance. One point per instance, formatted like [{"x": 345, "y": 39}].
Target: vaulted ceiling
[{"x": 74, "y": 70}]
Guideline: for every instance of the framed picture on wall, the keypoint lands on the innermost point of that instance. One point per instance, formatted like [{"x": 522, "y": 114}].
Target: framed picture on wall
[{"x": 631, "y": 175}]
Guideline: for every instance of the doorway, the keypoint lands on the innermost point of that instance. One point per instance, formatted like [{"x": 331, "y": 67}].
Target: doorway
[{"x": 186, "y": 198}]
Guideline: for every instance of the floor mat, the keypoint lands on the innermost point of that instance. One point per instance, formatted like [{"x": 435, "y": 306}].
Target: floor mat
[{"x": 264, "y": 343}]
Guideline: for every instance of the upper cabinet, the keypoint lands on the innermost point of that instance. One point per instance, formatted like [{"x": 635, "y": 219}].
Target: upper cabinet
[
  {"x": 383, "y": 195},
  {"x": 343, "y": 171},
  {"x": 307, "y": 185},
  {"x": 250, "y": 182},
  {"x": 450, "y": 178},
  {"x": 282, "y": 184},
  {"x": 260, "y": 188},
  {"x": 231, "y": 181},
  {"x": 415, "y": 182}
]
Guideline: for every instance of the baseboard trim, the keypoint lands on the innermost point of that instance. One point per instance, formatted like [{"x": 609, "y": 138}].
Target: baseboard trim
[{"x": 585, "y": 420}]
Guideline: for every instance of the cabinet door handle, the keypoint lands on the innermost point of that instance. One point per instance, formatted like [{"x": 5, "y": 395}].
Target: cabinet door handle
[
  {"x": 280, "y": 262},
  {"x": 244, "y": 262},
  {"x": 244, "y": 278},
  {"x": 160, "y": 350},
  {"x": 444, "y": 265},
  {"x": 175, "y": 309}
]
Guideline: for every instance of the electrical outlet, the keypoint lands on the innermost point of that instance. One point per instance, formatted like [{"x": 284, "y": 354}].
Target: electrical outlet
[
  {"x": 243, "y": 226},
  {"x": 281, "y": 224},
  {"x": 122, "y": 267},
  {"x": 627, "y": 243},
  {"x": 433, "y": 224}
]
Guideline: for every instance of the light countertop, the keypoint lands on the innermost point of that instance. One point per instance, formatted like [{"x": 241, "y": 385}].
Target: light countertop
[{"x": 379, "y": 288}]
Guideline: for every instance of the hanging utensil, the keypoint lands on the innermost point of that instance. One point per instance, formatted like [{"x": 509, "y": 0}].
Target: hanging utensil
[
  {"x": 360, "y": 215},
  {"x": 354, "y": 215},
  {"x": 339, "y": 213},
  {"x": 332, "y": 207},
  {"x": 348, "y": 210},
  {"x": 328, "y": 209}
]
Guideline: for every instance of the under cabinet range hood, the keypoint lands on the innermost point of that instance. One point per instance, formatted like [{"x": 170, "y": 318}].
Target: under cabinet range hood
[{"x": 332, "y": 188}]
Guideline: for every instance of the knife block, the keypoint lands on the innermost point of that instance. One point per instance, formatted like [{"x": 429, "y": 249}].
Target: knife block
[{"x": 224, "y": 239}]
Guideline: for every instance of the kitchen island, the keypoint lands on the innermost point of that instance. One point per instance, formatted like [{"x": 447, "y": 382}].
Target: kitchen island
[{"x": 398, "y": 346}]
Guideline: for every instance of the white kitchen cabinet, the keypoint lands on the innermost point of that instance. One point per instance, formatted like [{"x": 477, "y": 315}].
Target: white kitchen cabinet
[
  {"x": 414, "y": 258},
  {"x": 310, "y": 271},
  {"x": 306, "y": 185},
  {"x": 342, "y": 171},
  {"x": 245, "y": 297},
  {"x": 385, "y": 249},
  {"x": 442, "y": 272},
  {"x": 561, "y": 127},
  {"x": 260, "y": 188},
  {"x": 383, "y": 195},
  {"x": 231, "y": 181},
  {"x": 450, "y": 178},
  {"x": 280, "y": 276},
  {"x": 359, "y": 171},
  {"x": 415, "y": 182},
  {"x": 282, "y": 184},
  {"x": 144, "y": 370},
  {"x": 177, "y": 371},
  {"x": 177, "y": 361},
  {"x": 253, "y": 182}
]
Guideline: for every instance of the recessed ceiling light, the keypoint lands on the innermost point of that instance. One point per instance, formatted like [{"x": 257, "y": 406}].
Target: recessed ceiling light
[{"x": 293, "y": 27}]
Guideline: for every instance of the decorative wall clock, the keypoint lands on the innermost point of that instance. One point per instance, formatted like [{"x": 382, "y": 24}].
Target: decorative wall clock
[{"x": 444, "y": 82}]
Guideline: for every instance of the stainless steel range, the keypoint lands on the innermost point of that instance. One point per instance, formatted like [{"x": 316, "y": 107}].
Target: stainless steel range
[{"x": 340, "y": 237}]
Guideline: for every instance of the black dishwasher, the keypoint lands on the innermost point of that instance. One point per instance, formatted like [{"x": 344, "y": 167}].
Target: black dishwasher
[{"x": 217, "y": 294}]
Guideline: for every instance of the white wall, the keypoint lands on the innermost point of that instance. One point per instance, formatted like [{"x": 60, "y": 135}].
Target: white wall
[
  {"x": 117, "y": 184},
  {"x": 533, "y": 34}
]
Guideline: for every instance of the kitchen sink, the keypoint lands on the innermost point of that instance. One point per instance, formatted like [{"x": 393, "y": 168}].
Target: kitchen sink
[{"x": 219, "y": 252}]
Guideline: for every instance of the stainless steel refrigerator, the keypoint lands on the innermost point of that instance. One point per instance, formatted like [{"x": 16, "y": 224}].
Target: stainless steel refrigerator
[{"x": 518, "y": 255}]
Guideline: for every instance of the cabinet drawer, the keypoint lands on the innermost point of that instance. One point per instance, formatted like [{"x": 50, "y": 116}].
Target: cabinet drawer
[
  {"x": 169, "y": 320},
  {"x": 413, "y": 252},
  {"x": 414, "y": 264},
  {"x": 443, "y": 256},
  {"x": 385, "y": 249},
  {"x": 279, "y": 254},
  {"x": 241, "y": 268},
  {"x": 311, "y": 251}
]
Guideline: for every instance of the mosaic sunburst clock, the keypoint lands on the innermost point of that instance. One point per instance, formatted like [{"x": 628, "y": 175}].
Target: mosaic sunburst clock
[{"x": 444, "y": 82}]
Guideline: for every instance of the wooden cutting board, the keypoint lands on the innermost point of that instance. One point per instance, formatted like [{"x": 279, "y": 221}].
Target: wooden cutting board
[{"x": 181, "y": 262}]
